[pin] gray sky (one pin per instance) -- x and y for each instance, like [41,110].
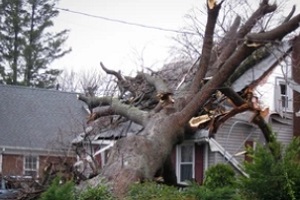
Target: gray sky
[118,45]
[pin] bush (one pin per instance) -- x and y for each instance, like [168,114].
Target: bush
[205,193]
[99,193]
[59,191]
[151,191]
[219,184]
[273,174]
[219,176]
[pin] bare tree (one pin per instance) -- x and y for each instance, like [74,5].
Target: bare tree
[164,105]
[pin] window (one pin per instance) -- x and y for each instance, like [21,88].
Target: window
[31,166]
[185,162]
[283,96]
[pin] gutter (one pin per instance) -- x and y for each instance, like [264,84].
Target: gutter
[12,150]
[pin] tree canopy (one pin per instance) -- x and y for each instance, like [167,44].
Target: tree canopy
[28,45]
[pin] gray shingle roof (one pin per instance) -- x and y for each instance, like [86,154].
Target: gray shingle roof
[38,118]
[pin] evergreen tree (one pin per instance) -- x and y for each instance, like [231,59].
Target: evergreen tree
[34,47]
[12,15]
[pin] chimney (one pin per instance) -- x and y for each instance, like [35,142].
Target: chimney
[296,78]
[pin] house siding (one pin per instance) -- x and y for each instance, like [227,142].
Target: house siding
[283,131]
[237,131]
[233,135]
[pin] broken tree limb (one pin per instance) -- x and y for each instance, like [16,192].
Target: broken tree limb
[258,120]
[212,16]
[200,98]
[136,115]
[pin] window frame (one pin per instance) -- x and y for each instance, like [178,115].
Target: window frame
[31,169]
[179,163]
[288,96]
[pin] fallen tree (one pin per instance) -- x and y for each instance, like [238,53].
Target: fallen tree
[165,109]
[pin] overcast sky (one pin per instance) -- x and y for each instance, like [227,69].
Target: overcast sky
[119,45]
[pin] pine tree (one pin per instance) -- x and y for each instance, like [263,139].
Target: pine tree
[27,56]
[12,23]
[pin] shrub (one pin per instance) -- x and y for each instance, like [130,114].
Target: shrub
[59,191]
[98,193]
[273,174]
[219,184]
[219,176]
[151,191]
[205,193]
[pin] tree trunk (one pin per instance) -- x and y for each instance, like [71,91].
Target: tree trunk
[138,158]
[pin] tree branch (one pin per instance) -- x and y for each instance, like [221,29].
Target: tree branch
[258,119]
[213,12]
[275,34]
[263,9]
[290,14]
[210,87]
[112,72]
[128,111]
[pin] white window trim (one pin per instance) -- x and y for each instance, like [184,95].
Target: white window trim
[289,94]
[0,162]
[37,164]
[178,163]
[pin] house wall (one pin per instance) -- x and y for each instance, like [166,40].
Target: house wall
[283,129]
[13,165]
[233,135]
[236,133]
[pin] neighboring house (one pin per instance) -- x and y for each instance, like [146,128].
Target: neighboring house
[199,151]
[36,126]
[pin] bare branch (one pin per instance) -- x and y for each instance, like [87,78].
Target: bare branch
[290,14]
[213,12]
[275,34]
[112,72]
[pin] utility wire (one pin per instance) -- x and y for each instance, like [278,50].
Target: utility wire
[125,22]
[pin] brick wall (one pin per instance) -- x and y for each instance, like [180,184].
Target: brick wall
[12,165]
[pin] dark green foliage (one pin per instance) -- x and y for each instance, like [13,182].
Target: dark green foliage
[205,193]
[151,191]
[99,193]
[220,183]
[57,191]
[273,174]
[28,47]
[219,176]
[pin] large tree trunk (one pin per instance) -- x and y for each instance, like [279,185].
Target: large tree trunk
[138,158]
